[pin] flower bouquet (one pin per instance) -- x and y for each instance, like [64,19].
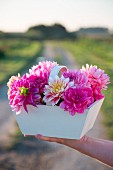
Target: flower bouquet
[64,105]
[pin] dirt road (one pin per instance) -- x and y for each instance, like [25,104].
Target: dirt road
[7,121]
[32,154]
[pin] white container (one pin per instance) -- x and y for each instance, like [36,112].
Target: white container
[55,122]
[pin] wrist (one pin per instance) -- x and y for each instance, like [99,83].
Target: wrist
[82,143]
[74,143]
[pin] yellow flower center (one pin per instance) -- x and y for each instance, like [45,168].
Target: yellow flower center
[57,87]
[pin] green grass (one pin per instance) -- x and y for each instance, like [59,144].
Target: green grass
[19,54]
[100,53]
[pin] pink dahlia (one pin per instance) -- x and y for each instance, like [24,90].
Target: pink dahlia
[54,91]
[77,100]
[38,81]
[44,68]
[22,93]
[10,82]
[96,77]
[79,78]
[97,93]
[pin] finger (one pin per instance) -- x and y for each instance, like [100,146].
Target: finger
[49,139]
[25,135]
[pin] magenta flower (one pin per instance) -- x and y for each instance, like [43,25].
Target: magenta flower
[70,74]
[38,81]
[74,91]
[22,93]
[96,77]
[77,100]
[54,91]
[79,78]
[97,93]
[43,68]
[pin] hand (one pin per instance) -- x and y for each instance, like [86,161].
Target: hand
[51,139]
[73,143]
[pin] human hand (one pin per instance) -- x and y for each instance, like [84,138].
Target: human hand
[73,143]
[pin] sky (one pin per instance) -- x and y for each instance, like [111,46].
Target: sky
[19,15]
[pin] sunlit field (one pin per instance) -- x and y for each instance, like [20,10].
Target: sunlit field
[100,53]
[15,55]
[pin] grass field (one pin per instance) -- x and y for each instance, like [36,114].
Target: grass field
[100,53]
[17,55]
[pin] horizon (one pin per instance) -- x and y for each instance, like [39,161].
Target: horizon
[57,23]
[19,15]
